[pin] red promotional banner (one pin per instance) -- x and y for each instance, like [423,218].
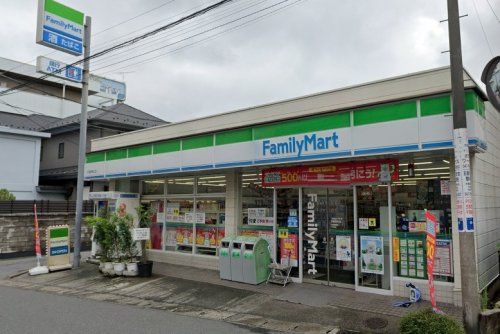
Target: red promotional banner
[431,252]
[289,247]
[38,249]
[343,173]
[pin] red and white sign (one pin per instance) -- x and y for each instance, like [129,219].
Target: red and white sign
[344,173]
[289,247]
[38,249]
[431,253]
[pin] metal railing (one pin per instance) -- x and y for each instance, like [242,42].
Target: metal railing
[10,207]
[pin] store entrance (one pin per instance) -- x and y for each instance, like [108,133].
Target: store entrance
[328,236]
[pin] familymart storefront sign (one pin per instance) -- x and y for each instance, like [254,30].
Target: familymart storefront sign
[390,128]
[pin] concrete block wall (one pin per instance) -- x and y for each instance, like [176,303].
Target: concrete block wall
[486,197]
[17,232]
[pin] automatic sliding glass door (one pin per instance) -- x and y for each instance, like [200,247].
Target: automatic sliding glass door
[328,235]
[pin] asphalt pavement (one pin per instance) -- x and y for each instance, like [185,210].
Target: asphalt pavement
[25,312]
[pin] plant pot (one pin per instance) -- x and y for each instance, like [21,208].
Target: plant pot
[132,267]
[145,269]
[118,267]
[108,267]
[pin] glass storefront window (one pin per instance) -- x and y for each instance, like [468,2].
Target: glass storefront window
[179,224]
[287,215]
[153,187]
[428,189]
[157,222]
[180,186]
[209,224]
[373,237]
[211,184]
[257,209]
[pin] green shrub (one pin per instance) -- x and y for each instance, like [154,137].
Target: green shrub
[426,321]
[6,195]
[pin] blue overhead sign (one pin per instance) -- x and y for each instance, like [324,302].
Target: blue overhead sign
[58,69]
[60,27]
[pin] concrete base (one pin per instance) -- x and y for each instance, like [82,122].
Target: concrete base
[38,270]
[183,259]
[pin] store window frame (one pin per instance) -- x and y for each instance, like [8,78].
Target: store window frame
[194,196]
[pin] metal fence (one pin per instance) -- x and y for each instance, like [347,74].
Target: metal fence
[43,206]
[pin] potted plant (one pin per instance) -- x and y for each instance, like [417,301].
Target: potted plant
[145,267]
[104,236]
[126,245]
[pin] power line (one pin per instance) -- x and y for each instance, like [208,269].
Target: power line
[259,18]
[177,33]
[482,27]
[195,35]
[133,40]
[133,18]
[97,33]
[493,11]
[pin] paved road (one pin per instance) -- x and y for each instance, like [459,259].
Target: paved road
[25,312]
[12,266]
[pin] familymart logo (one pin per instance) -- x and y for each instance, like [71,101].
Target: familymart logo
[298,145]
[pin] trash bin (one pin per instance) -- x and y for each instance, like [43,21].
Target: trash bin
[256,259]
[237,259]
[226,246]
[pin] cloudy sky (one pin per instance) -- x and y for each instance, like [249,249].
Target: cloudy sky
[252,52]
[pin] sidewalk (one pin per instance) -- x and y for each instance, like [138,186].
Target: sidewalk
[301,308]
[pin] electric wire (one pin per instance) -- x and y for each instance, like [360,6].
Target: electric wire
[195,35]
[176,33]
[152,59]
[482,28]
[133,40]
[493,11]
[93,35]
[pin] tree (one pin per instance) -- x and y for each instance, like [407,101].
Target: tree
[6,195]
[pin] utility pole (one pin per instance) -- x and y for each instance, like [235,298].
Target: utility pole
[82,146]
[468,268]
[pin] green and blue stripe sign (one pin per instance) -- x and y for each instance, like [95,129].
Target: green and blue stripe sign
[60,27]
[415,125]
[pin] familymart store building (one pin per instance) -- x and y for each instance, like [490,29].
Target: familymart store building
[337,182]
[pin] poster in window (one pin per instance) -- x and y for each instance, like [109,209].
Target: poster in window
[372,254]
[343,246]
[289,247]
[363,223]
[443,258]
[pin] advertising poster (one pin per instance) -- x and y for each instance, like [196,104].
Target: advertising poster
[372,254]
[172,213]
[206,237]
[443,258]
[363,223]
[160,212]
[290,247]
[170,237]
[343,246]
[395,249]
[156,236]
[184,236]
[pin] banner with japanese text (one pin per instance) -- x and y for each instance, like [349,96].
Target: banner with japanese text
[343,173]
[431,252]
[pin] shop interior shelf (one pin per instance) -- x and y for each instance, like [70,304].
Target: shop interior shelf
[184,248]
[209,225]
[256,227]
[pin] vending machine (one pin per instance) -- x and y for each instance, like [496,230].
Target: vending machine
[114,201]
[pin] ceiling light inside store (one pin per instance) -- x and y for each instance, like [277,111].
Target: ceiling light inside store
[431,174]
[446,161]
[425,178]
[417,163]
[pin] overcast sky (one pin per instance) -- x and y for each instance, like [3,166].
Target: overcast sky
[307,47]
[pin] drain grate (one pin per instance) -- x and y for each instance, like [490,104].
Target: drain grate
[375,323]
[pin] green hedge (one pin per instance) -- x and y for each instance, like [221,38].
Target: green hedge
[426,321]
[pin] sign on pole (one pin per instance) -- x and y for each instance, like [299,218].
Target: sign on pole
[58,256]
[59,27]
[58,69]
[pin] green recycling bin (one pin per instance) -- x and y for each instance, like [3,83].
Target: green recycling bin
[226,246]
[237,259]
[256,259]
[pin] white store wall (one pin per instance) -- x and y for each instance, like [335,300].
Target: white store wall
[486,197]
